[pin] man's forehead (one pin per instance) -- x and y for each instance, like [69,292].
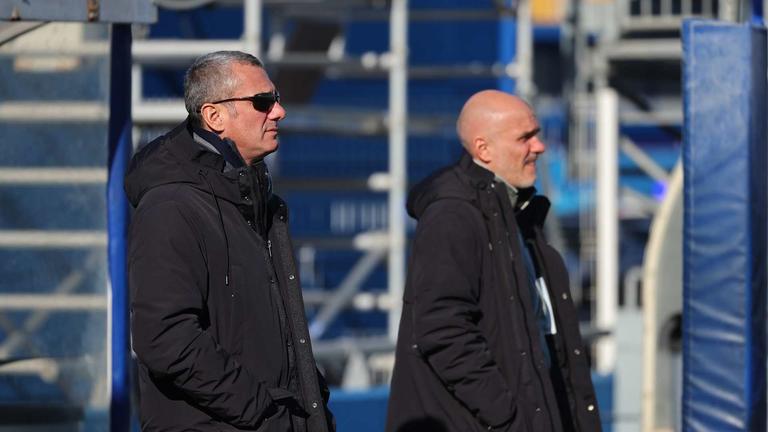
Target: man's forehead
[515,119]
[253,77]
[529,122]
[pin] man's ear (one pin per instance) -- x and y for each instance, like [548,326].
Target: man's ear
[213,117]
[482,150]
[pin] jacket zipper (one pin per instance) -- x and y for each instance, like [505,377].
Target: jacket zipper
[503,226]
[269,248]
[566,380]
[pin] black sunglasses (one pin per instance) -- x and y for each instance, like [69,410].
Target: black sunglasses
[262,102]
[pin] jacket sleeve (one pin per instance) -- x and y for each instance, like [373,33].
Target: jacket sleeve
[446,268]
[167,279]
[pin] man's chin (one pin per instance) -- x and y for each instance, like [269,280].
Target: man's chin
[270,151]
[265,151]
[525,184]
[272,146]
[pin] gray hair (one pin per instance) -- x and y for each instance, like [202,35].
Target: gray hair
[210,78]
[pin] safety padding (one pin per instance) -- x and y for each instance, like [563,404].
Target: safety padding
[724,243]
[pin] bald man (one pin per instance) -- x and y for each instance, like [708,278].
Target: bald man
[489,337]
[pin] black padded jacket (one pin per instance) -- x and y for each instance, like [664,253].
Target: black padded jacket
[217,316]
[469,352]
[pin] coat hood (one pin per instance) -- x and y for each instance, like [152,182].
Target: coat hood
[464,181]
[177,158]
[440,185]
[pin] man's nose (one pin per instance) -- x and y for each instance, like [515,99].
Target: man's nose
[537,145]
[277,112]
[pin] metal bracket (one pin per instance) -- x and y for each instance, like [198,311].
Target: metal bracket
[93,10]
[105,11]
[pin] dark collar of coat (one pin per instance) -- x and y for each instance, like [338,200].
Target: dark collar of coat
[528,215]
[224,146]
[533,215]
[183,146]
[223,184]
[200,161]
[479,177]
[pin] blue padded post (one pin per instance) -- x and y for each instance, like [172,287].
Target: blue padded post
[120,147]
[757,12]
[724,238]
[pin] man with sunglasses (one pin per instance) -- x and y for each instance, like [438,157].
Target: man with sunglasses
[217,316]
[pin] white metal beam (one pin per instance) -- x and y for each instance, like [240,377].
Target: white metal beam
[345,292]
[81,49]
[50,302]
[50,239]
[53,111]
[607,178]
[252,11]
[645,49]
[52,176]
[524,56]
[645,162]
[398,87]
[179,51]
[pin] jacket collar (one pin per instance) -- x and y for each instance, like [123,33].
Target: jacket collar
[249,187]
[213,142]
[183,147]
[531,209]
[198,161]
[480,178]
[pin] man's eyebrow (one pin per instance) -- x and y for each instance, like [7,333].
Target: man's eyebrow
[530,134]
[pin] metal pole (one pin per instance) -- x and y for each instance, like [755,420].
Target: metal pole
[252,27]
[120,148]
[607,224]
[398,86]
[344,293]
[515,51]
[762,13]
[643,161]
[524,56]
[729,10]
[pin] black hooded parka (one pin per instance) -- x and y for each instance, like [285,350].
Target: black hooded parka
[469,352]
[217,315]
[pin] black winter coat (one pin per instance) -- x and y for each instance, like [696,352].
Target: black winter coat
[469,357]
[217,316]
